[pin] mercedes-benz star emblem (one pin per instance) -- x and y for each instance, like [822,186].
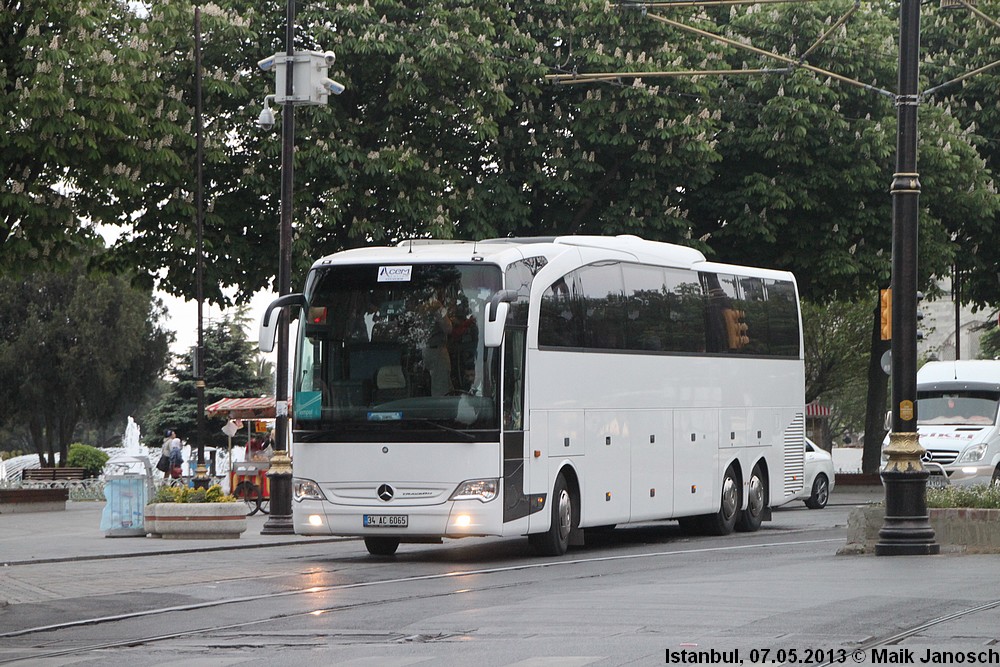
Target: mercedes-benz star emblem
[927,457]
[385,492]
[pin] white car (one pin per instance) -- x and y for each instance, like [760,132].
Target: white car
[819,477]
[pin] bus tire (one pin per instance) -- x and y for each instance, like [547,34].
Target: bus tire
[555,541]
[723,522]
[382,546]
[751,518]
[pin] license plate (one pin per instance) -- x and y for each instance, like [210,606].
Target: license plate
[386,520]
[937,481]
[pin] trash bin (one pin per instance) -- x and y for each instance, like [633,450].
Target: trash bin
[126,495]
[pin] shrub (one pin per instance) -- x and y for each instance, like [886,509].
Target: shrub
[89,458]
[981,496]
[185,494]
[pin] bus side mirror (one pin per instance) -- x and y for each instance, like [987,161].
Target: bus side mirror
[496,317]
[269,323]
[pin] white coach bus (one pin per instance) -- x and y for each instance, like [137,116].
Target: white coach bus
[539,387]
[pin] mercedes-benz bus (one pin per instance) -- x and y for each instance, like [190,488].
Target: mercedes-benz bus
[539,387]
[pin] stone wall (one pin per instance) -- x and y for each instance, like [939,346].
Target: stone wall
[956,530]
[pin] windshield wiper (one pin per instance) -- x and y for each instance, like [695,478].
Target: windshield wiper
[449,429]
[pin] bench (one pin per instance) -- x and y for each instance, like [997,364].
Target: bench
[32,500]
[52,474]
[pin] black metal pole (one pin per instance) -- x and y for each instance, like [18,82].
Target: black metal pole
[201,474]
[280,473]
[906,529]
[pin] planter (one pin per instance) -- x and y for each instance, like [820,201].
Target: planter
[961,529]
[149,520]
[196,521]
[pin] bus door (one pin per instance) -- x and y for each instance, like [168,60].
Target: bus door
[516,503]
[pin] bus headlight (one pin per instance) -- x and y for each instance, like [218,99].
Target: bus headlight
[483,490]
[973,454]
[306,489]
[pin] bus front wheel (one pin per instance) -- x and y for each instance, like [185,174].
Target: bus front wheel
[382,546]
[555,541]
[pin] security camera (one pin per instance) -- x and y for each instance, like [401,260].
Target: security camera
[330,57]
[266,118]
[333,87]
[266,63]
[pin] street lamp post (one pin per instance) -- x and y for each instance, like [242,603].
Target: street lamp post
[279,522]
[201,480]
[906,529]
[303,81]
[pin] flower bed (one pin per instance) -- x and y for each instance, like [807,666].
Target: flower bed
[964,519]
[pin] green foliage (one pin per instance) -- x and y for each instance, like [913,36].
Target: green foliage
[230,372]
[981,496]
[186,494]
[836,338]
[990,344]
[89,458]
[74,344]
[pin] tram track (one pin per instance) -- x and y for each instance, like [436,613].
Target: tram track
[257,599]
[866,646]
[46,635]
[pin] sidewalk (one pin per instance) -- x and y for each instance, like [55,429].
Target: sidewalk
[75,534]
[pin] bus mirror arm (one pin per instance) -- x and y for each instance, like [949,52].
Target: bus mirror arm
[503,296]
[496,317]
[269,323]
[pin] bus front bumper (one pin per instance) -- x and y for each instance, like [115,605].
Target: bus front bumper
[464,518]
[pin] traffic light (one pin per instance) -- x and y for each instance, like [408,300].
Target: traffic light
[736,328]
[885,312]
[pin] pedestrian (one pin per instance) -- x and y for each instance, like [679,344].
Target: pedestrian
[172,450]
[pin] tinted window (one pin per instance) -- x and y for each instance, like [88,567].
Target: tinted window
[635,307]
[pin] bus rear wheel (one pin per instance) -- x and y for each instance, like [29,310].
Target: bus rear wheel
[751,518]
[555,541]
[723,522]
[382,546]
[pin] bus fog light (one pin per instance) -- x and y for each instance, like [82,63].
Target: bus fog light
[483,490]
[315,520]
[306,489]
[463,521]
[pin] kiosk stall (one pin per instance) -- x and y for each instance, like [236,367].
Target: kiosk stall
[248,479]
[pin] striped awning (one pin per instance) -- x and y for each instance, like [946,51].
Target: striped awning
[816,410]
[243,408]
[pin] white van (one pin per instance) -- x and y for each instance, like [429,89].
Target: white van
[957,404]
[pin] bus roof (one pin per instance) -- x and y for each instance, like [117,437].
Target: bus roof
[502,251]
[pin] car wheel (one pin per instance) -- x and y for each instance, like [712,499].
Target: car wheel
[995,482]
[820,493]
[555,541]
[724,521]
[382,546]
[751,518]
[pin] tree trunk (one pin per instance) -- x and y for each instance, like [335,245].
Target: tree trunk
[878,392]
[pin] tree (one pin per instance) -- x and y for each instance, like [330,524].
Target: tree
[74,347]
[231,371]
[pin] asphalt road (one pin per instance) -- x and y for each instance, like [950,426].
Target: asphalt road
[646,595]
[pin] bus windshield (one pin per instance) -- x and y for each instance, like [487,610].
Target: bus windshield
[396,352]
[963,408]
